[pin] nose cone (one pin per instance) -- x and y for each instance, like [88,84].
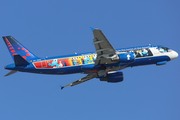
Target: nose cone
[174,55]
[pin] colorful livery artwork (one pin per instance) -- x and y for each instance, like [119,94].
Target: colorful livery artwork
[63,62]
[89,59]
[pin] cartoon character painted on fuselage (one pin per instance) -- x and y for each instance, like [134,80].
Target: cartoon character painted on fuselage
[145,52]
[87,60]
[76,61]
[55,64]
[161,50]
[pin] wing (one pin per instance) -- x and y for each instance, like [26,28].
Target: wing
[106,54]
[84,79]
[105,51]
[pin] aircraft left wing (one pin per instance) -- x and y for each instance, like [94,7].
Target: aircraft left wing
[105,51]
[84,79]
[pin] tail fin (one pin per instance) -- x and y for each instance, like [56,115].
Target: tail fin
[15,48]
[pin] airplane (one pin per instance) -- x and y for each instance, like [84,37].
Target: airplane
[105,63]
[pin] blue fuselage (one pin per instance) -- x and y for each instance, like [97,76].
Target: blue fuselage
[84,62]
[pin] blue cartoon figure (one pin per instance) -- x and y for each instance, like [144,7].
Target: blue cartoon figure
[75,62]
[54,63]
[139,53]
[145,52]
[162,50]
[87,60]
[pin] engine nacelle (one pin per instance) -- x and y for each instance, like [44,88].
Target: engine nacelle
[127,57]
[113,77]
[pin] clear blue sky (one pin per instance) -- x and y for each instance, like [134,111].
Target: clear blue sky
[61,27]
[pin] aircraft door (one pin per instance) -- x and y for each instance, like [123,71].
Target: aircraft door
[44,64]
[40,64]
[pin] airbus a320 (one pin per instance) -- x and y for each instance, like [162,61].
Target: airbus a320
[105,63]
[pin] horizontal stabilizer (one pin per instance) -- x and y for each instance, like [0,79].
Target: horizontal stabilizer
[20,61]
[11,72]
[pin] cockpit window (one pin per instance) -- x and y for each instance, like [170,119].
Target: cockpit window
[163,49]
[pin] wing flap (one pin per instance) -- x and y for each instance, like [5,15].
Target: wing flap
[98,41]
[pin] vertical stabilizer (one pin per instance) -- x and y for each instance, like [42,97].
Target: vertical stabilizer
[16,48]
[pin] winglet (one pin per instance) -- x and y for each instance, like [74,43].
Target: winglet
[92,28]
[61,87]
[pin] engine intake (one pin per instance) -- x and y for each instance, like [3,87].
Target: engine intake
[113,77]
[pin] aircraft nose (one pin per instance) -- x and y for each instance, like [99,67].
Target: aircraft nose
[174,55]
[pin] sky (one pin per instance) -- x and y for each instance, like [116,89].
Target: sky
[56,27]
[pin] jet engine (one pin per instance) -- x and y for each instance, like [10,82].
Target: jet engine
[127,57]
[113,77]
